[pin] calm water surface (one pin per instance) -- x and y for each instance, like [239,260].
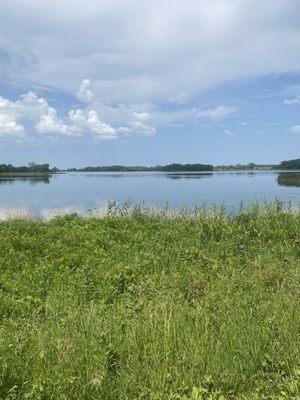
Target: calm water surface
[84,192]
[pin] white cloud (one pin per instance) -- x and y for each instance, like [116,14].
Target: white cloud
[77,117]
[140,124]
[45,120]
[30,106]
[295,129]
[99,129]
[84,93]
[51,124]
[90,121]
[10,128]
[229,133]
[101,121]
[215,114]
[150,114]
[32,109]
[27,107]
[78,122]
[5,103]
[142,129]
[291,102]
[140,51]
[192,115]
[142,117]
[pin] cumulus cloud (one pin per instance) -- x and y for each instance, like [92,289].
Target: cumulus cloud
[51,124]
[30,106]
[27,107]
[77,123]
[84,93]
[32,109]
[99,120]
[99,129]
[90,121]
[10,128]
[141,124]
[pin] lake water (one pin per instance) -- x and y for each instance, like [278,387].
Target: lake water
[86,192]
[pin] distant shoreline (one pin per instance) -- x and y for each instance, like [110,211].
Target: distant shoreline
[62,172]
[44,169]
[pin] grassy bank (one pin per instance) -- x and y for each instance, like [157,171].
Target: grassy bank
[151,307]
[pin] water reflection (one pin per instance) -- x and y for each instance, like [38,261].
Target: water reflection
[46,195]
[289,179]
[190,175]
[31,179]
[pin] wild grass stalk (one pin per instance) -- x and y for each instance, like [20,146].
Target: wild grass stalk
[141,305]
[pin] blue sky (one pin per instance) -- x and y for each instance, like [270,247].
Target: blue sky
[138,82]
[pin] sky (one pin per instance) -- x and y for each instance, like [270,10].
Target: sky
[139,82]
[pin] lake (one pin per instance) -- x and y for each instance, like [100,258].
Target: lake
[85,192]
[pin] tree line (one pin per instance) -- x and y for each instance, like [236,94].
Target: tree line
[290,164]
[30,168]
[163,168]
[175,167]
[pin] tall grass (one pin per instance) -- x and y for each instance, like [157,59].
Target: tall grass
[151,306]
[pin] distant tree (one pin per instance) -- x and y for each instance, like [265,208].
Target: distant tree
[31,167]
[290,164]
[163,168]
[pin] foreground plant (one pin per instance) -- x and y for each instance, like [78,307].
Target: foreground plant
[151,306]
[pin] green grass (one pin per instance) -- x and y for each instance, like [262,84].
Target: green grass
[144,306]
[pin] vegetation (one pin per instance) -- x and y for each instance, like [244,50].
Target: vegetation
[183,167]
[163,168]
[30,168]
[246,167]
[175,167]
[291,164]
[147,306]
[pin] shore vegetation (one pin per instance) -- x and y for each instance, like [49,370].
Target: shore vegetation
[159,306]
